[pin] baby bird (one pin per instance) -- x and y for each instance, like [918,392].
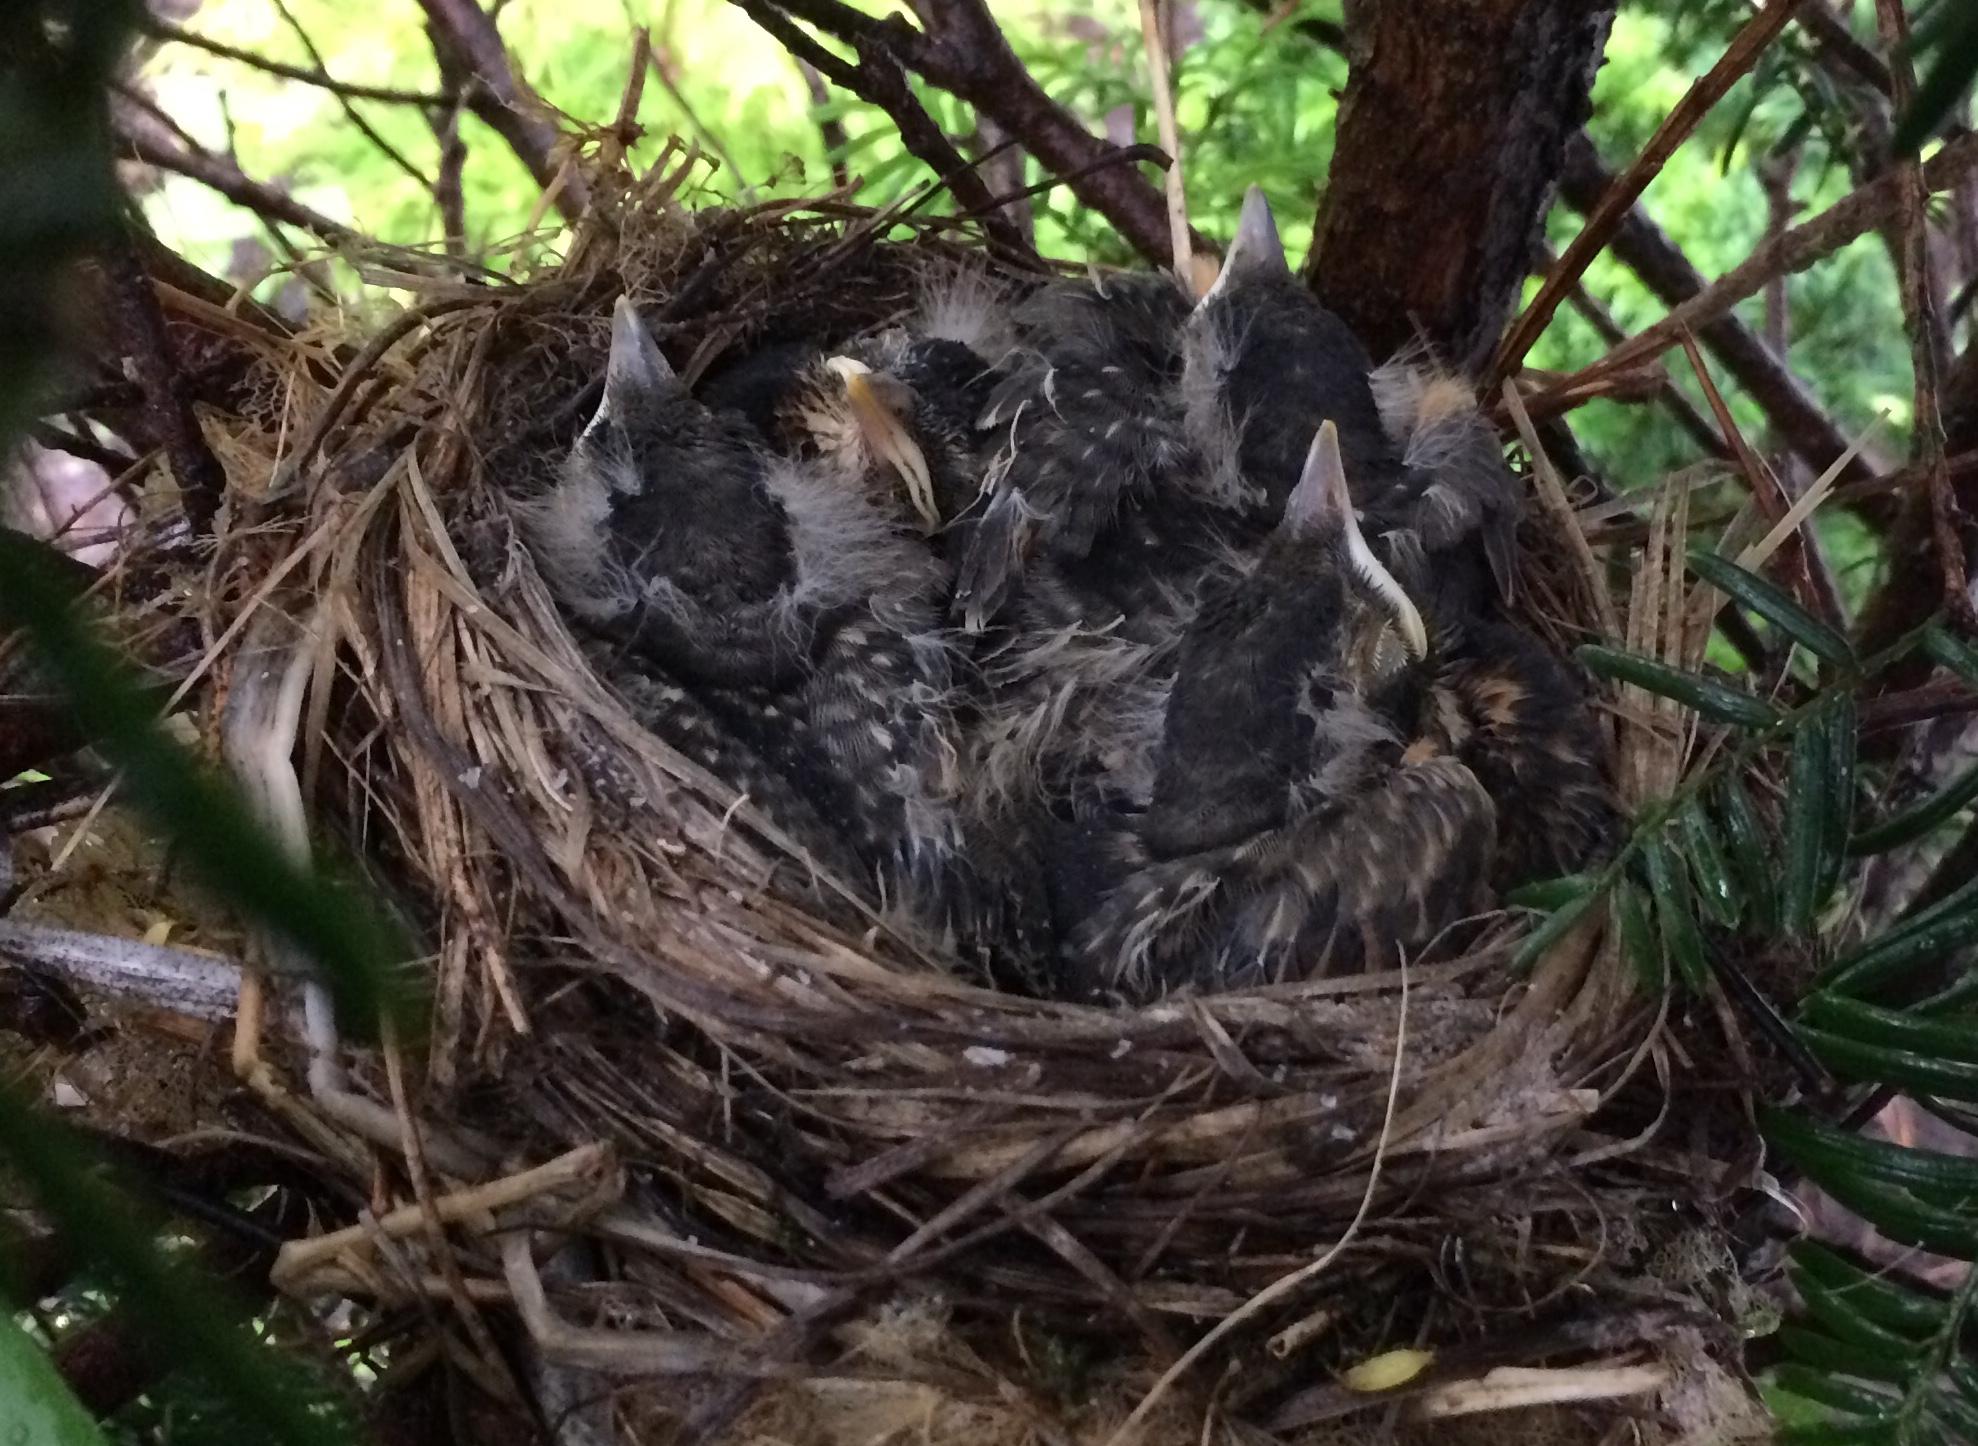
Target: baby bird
[1300,820]
[891,417]
[1087,428]
[789,606]
[1263,358]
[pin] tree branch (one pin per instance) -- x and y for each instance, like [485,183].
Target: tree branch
[965,53]
[1919,316]
[168,416]
[1448,146]
[1855,214]
[142,138]
[1623,191]
[1795,415]
[391,95]
[878,80]
[465,35]
[351,113]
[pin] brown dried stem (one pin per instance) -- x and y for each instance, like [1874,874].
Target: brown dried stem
[1854,215]
[349,108]
[1750,43]
[1919,315]
[390,95]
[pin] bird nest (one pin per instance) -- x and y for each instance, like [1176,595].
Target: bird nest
[799,1143]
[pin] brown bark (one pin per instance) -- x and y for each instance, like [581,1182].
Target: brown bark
[1450,135]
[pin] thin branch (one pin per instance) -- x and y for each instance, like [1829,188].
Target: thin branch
[1919,315]
[449,188]
[1833,41]
[879,80]
[349,108]
[390,95]
[1854,215]
[830,130]
[1680,407]
[466,34]
[965,53]
[1750,43]
[142,139]
[74,444]
[168,416]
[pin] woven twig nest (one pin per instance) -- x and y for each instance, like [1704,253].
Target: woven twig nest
[659,1030]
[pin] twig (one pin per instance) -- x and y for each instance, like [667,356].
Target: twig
[390,95]
[1758,33]
[222,175]
[965,52]
[46,434]
[830,130]
[449,190]
[1919,315]
[168,416]
[1287,1283]
[1811,578]
[349,108]
[878,79]
[1855,214]
[466,34]
[1679,406]
[1153,35]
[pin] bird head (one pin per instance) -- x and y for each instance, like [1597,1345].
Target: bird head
[1379,628]
[661,524]
[860,419]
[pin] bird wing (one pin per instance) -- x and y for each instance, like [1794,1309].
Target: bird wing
[1357,883]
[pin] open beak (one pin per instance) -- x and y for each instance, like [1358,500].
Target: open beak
[888,438]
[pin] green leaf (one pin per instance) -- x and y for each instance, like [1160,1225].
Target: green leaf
[1841,732]
[1829,1154]
[1751,852]
[1919,818]
[1881,1064]
[36,1406]
[1808,815]
[1838,1357]
[1833,1390]
[1550,932]
[1773,604]
[1891,1351]
[1953,47]
[1710,869]
[354,944]
[1680,935]
[1545,895]
[1952,653]
[1920,940]
[1877,1297]
[1707,697]
[189,1323]
[1638,941]
[1954,1038]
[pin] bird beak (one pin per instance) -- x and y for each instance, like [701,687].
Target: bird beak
[636,367]
[885,432]
[1321,502]
[1255,252]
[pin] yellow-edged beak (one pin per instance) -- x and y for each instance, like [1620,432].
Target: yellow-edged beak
[888,438]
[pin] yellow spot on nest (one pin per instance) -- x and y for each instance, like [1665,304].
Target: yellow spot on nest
[1389,1369]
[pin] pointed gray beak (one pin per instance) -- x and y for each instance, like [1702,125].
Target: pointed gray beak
[1255,252]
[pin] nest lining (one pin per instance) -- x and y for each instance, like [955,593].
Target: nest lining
[806,1108]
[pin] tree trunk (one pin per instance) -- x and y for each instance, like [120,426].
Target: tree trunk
[1451,131]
